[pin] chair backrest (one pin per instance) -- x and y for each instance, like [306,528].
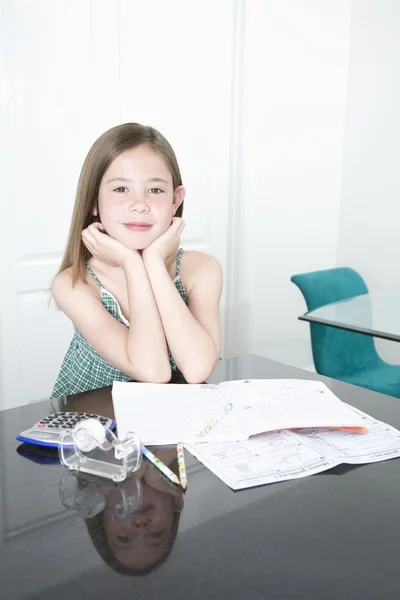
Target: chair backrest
[336,352]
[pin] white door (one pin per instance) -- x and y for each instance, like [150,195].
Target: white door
[69,71]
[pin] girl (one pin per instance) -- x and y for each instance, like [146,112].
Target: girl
[144,539]
[142,308]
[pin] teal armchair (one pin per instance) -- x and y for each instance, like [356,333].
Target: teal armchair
[341,354]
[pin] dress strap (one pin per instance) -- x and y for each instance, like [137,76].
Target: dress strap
[178,262]
[93,274]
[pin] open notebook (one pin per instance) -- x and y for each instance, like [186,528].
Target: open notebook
[167,414]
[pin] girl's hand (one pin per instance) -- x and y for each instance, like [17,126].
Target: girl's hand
[105,248]
[165,247]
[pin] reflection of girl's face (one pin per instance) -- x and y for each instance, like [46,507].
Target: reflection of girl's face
[143,538]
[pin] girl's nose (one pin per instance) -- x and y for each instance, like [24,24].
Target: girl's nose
[138,204]
[141,522]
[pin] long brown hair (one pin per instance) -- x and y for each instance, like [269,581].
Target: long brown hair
[108,146]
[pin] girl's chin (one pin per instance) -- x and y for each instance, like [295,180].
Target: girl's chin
[134,244]
[138,247]
[133,247]
[136,240]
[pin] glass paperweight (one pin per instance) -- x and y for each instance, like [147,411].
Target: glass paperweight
[89,495]
[90,448]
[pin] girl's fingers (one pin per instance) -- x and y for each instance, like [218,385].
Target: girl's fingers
[88,246]
[177,226]
[91,232]
[97,225]
[96,232]
[176,222]
[180,225]
[88,239]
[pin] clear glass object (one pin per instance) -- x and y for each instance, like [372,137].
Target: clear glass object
[89,495]
[89,448]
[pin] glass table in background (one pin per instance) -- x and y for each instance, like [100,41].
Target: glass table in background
[376,314]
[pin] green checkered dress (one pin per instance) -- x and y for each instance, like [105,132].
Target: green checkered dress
[83,369]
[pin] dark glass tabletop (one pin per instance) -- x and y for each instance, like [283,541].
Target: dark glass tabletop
[329,536]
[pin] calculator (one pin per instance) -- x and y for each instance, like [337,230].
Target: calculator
[47,432]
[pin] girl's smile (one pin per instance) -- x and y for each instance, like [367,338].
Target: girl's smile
[138,226]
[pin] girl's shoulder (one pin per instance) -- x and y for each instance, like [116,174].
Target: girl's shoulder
[198,265]
[195,259]
[61,282]
[62,286]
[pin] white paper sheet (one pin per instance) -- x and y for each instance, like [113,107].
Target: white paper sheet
[270,404]
[167,414]
[284,455]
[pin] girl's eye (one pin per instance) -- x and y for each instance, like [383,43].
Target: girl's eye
[157,534]
[155,191]
[125,539]
[120,190]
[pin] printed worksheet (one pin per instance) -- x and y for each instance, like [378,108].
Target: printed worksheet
[267,458]
[283,455]
[381,443]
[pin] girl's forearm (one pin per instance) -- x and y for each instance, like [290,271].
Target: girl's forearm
[146,346]
[191,346]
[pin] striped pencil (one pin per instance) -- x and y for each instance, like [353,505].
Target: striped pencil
[182,466]
[211,424]
[160,465]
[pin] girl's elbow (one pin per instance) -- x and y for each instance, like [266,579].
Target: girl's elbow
[163,376]
[153,375]
[160,375]
[198,374]
[194,379]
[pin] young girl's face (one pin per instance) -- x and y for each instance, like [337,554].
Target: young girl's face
[142,539]
[136,198]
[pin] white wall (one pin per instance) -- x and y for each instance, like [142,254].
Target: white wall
[369,237]
[321,168]
[296,67]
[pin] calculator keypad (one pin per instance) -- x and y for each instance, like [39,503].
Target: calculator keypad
[67,420]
